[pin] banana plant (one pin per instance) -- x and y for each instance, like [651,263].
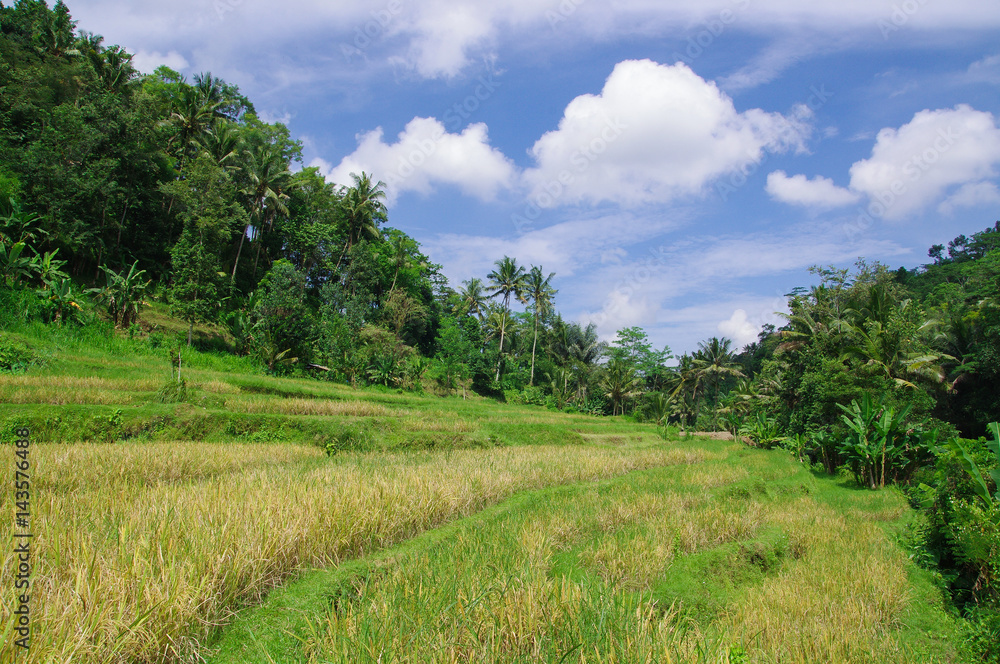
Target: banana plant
[64,301]
[13,265]
[48,269]
[123,294]
[763,431]
[876,442]
[969,464]
[19,225]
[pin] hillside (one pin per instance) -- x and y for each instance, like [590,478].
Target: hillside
[156,521]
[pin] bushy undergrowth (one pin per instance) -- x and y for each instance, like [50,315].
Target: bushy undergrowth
[15,357]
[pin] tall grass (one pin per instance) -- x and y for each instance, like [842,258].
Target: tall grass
[142,551]
[668,565]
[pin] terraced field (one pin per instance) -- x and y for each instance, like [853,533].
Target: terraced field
[253,518]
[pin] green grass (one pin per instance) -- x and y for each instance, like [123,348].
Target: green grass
[681,563]
[442,529]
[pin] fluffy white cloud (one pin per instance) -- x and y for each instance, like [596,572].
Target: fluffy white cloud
[915,165]
[798,190]
[971,195]
[425,155]
[147,62]
[655,132]
[739,329]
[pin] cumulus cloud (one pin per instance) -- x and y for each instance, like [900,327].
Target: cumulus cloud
[915,165]
[425,155]
[654,133]
[798,190]
[739,329]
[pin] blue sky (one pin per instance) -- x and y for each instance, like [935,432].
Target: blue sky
[678,164]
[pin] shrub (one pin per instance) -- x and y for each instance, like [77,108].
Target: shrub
[15,357]
[763,431]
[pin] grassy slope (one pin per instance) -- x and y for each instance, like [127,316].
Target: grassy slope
[149,543]
[735,551]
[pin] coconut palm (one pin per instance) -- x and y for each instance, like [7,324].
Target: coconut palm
[223,144]
[473,297]
[506,280]
[715,361]
[193,117]
[540,292]
[364,210]
[267,176]
[620,383]
[886,348]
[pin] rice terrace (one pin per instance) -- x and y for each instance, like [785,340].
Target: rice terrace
[660,401]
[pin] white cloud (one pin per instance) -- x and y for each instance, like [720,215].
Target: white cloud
[565,248]
[770,63]
[986,70]
[440,38]
[739,329]
[426,155]
[915,165]
[271,118]
[443,37]
[971,195]
[147,62]
[654,133]
[819,192]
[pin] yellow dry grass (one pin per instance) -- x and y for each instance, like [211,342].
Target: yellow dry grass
[297,406]
[142,550]
[838,590]
[64,390]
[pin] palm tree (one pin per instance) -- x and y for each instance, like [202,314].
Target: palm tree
[886,348]
[364,210]
[539,290]
[193,118]
[267,173]
[620,383]
[473,297]
[715,361]
[687,378]
[506,280]
[223,144]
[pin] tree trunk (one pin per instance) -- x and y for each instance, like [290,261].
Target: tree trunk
[239,250]
[503,329]
[533,345]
